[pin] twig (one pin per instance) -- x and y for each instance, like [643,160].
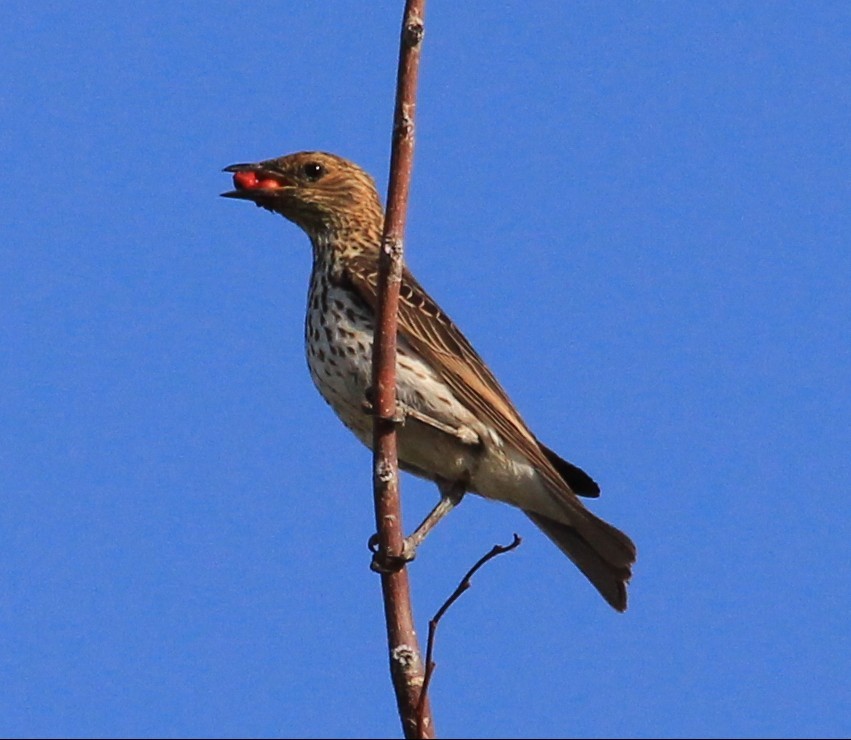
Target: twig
[456,594]
[406,665]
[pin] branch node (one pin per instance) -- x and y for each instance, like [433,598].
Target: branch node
[393,247]
[404,656]
[385,471]
[414,31]
[404,127]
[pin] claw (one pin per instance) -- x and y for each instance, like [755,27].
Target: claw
[384,563]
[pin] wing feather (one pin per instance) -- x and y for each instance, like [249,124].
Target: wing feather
[433,335]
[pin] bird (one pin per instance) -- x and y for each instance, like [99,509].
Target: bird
[459,428]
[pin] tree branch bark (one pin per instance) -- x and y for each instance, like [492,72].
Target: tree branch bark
[406,664]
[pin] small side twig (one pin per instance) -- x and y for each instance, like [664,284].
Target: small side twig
[465,583]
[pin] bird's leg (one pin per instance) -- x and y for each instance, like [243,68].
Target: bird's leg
[451,494]
[404,412]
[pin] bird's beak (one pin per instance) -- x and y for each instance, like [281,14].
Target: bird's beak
[254,181]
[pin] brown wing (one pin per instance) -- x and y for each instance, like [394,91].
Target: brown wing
[435,337]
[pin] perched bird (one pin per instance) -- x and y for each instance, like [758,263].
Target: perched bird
[460,428]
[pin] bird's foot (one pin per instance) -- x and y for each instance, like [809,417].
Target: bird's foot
[451,493]
[385,563]
[368,407]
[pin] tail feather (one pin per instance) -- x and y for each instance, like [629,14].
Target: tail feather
[579,481]
[602,552]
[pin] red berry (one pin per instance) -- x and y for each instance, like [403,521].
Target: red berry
[245,180]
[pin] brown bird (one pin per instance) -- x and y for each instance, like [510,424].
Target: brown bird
[460,428]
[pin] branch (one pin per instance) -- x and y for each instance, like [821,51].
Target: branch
[406,665]
[465,583]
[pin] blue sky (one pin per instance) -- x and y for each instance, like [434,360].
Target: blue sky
[638,212]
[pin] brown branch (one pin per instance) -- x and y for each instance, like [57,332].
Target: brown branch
[465,583]
[406,665]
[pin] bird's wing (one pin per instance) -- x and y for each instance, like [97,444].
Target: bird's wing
[433,335]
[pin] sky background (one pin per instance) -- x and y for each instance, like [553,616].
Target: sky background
[638,213]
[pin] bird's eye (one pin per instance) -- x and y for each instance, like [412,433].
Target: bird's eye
[313,171]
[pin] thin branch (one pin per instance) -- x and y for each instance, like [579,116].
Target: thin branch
[465,583]
[406,665]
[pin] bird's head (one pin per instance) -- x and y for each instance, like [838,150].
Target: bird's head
[320,192]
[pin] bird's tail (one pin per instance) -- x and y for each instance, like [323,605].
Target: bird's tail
[602,552]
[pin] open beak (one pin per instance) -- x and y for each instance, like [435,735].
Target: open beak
[254,181]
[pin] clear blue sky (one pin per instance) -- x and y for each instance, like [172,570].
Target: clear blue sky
[639,214]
